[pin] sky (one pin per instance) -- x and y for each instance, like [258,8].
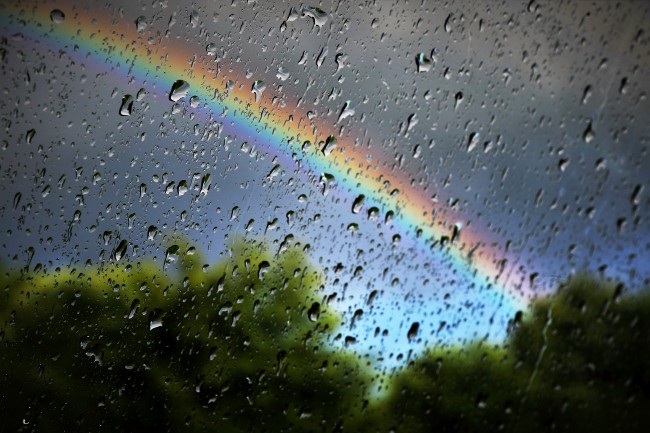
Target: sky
[524,130]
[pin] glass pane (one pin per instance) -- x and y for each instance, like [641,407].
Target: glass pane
[336,216]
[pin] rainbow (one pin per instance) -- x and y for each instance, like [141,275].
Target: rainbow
[115,47]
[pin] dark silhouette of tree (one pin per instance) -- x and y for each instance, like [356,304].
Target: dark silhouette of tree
[238,346]
[575,362]
[245,345]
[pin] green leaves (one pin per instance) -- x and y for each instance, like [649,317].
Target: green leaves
[243,345]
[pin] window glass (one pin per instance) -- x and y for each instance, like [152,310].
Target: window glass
[336,216]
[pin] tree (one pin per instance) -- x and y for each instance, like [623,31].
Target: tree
[238,346]
[575,362]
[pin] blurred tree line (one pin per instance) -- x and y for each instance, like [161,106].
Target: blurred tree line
[245,345]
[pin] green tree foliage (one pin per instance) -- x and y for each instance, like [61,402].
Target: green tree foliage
[238,346]
[245,345]
[576,362]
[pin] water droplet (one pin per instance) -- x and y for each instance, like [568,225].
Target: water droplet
[234,213]
[373,213]
[274,172]
[282,74]
[134,308]
[563,163]
[458,98]
[293,15]
[211,49]
[194,19]
[57,16]
[30,135]
[358,204]
[155,319]
[340,60]
[120,251]
[636,195]
[194,101]
[413,331]
[318,15]
[17,198]
[258,88]
[586,94]
[589,134]
[472,141]
[330,145]
[455,234]
[127,105]
[141,23]
[141,94]
[448,22]
[347,111]
[412,121]
[321,57]
[205,184]
[623,88]
[180,89]
[326,180]
[152,231]
[263,269]
[171,254]
[423,63]
[314,312]
[182,188]
[417,151]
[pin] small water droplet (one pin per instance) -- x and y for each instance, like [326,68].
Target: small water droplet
[417,151]
[258,88]
[120,251]
[448,22]
[282,73]
[423,63]
[472,141]
[458,98]
[321,57]
[211,49]
[141,94]
[206,180]
[358,204]
[589,134]
[347,111]
[141,23]
[275,171]
[413,331]
[57,16]
[134,308]
[373,213]
[563,163]
[17,198]
[586,94]
[318,15]
[314,312]
[412,121]
[330,145]
[293,15]
[127,105]
[182,188]
[152,231]
[263,269]
[29,136]
[180,89]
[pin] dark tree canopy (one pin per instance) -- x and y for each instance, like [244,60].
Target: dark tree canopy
[245,345]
